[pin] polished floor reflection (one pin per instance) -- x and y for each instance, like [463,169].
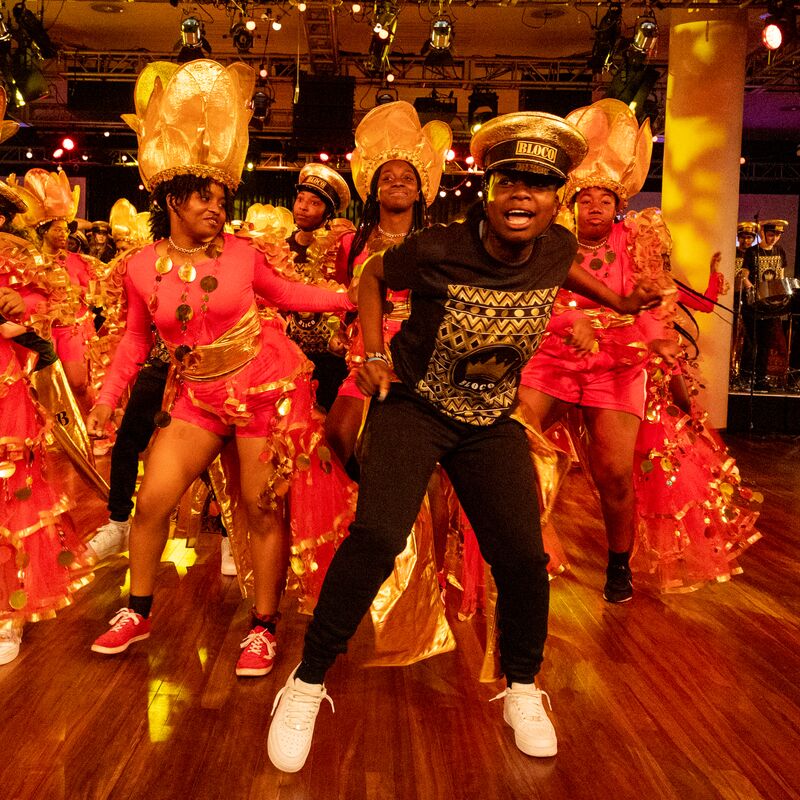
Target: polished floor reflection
[675,697]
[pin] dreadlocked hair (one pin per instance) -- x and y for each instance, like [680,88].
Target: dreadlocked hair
[371,215]
[180,188]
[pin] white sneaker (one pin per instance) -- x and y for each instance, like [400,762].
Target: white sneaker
[110,539]
[534,734]
[227,564]
[10,639]
[295,711]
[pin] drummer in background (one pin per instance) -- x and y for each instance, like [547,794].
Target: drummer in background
[765,261]
[746,233]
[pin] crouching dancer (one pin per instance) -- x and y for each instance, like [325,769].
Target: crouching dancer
[481,294]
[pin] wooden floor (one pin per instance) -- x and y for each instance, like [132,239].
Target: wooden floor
[691,697]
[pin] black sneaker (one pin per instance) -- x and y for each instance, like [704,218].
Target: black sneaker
[619,586]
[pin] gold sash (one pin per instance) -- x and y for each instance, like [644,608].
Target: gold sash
[236,348]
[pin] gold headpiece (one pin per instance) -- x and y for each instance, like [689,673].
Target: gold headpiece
[619,150]
[747,227]
[128,224]
[325,182]
[392,132]
[7,126]
[192,119]
[776,225]
[47,195]
[529,141]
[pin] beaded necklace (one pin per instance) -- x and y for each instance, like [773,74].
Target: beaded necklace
[388,235]
[595,262]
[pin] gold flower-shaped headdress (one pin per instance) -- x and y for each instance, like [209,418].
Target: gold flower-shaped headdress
[47,195]
[192,119]
[619,150]
[392,132]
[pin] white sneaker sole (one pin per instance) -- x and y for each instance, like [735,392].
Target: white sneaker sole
[279,761]
[530,749]
[110,651]
[228,572]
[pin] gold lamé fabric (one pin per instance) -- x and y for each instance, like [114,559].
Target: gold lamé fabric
[54,393]
[407,615]
[192,119]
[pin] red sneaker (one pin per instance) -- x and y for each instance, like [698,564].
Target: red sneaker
[258,653]
[126,627]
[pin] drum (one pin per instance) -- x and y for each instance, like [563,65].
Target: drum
[773,296]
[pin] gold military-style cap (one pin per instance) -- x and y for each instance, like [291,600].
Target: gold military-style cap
[776,225]
[529,141]
[326,183]
[748,228]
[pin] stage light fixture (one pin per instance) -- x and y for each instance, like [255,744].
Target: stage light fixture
[261,103]
[67,143]
[193,43]
[435,106]
[441,34]
[251,25]
[482,107]
[645,35]
[780,24]
[241,37]
[385,95]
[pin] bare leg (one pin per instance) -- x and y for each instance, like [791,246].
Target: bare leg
[178,455]
[343,424]
[269,537]
[546,410]
[612,437]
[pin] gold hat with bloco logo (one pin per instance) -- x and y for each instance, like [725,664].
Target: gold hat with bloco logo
[529,141]
[391,132]
[747,228]
[326,183]
[774,225]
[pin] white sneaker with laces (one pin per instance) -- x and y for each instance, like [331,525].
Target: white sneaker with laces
[523,710]
[10,639]
[294,713]
[110,539]
[227,564]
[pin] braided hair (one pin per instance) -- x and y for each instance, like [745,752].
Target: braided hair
[371,215]
[181,188]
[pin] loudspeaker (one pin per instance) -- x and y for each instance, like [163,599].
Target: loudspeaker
[323,113]
[554,101]
[102,99]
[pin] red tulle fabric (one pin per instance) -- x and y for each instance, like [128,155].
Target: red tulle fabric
[40,552]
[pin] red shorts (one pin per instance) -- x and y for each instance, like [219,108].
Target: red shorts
[598,380]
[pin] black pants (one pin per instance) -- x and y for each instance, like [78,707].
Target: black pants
[133,437]
[492,473]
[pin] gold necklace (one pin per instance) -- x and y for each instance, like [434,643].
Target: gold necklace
[388,235]
[593,247]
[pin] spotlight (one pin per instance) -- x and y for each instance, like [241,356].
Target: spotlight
[348,156]
[385,95]
[250,25]
[301,7]
[193,41]
[436,107]
[390,77]
[58,153]
[106,134]
[28,154]
[645,36]
[443,193]
[381,44]
[482,107]
[263,72]
[780,24]
[276,25]
[67,143]
[441,34]
[242,38]
[261,102]
[323,156]
[31,26]
[355,8]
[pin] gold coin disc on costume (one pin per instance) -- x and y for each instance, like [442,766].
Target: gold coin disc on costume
[184,312]
[65,558]
[596,263]
[209,283]
[163,265]
[187,272]
[7,469]
[18,599]
[161,419]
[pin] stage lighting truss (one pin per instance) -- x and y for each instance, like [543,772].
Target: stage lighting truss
[383,22]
